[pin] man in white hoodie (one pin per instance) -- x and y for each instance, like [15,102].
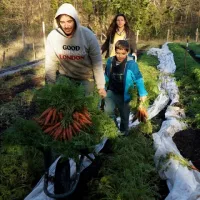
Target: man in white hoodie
[73,51]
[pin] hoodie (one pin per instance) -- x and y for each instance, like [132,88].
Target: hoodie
[78,57]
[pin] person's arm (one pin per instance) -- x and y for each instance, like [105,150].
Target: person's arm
[51,62]
[105,46]
[95,55]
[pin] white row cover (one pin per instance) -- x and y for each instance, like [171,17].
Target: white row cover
[183,184]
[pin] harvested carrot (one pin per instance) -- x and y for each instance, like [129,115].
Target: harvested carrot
[142,114]
[48,116]
[57,131]
[87,115]
[82,116]
[50,122]
[76,128]
[70,132]
[193,167]
[45,113]
[77,124]
[84,122]
[53,120]
[49,129]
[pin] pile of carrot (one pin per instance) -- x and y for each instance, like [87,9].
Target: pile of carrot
[51,123]
[142,114]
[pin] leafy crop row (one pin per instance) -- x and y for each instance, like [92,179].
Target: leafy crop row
[188,79]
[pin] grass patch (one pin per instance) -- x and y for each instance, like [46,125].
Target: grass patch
[15,53]
[17,166]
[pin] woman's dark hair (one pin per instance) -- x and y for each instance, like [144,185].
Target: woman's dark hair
[113,26]
[122,44]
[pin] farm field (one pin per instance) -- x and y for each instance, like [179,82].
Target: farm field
[131,158]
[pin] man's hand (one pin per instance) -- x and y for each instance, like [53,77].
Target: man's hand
[102,93]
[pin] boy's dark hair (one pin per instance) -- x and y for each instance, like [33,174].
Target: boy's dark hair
[122,44]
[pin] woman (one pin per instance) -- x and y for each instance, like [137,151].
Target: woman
[119,30]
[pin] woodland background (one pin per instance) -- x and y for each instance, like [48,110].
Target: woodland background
[25,23]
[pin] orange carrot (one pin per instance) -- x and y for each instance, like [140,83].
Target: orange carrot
[193,167]
[82,122]
[57,133]
[87,114]
[76,128]
[49,129]
[57,130]
[86,122]
[77,124]
[45,112]
[69,133]
[81,115]
[54,116]
[48,116]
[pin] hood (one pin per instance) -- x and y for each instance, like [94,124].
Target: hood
[66,9]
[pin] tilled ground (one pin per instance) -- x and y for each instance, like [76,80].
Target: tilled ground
[188,143]
[8,94]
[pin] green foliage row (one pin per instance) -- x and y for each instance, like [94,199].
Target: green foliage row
[194,47]
[188,79]
[20,168]
[129,173]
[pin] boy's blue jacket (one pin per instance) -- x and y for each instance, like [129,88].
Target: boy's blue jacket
[132,75]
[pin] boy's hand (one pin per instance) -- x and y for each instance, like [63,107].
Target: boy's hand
[143,99]
[102,93]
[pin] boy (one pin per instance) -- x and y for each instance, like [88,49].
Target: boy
[121,73]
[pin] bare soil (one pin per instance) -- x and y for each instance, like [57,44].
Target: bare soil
[8,94]
[188,143]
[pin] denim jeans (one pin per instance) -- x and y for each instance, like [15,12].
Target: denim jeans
[112,101]
[88,86]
